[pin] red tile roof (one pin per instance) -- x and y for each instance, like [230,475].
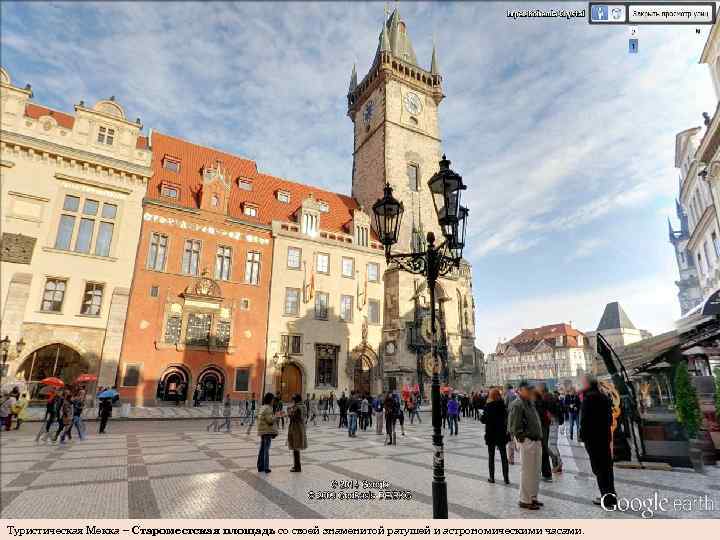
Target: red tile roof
[530,337]
[193,158]
[36,111]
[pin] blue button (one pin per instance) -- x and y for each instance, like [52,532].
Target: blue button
[599,13]
[633,46]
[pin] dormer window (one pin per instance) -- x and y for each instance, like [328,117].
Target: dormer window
[106,135]
[170,164]
[559,341]
[245,184]
[283,196]
[323,206]
[167,190]
[250,210]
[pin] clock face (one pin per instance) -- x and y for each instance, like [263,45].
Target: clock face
[412,103]
[368,112]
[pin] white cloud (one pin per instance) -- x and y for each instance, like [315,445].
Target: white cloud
[650,303]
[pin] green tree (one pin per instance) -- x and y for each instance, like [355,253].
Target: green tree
[686,403]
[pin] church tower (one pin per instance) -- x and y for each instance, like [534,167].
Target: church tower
[394,110]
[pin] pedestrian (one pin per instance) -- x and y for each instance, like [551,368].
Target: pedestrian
[400,415]
[325,408]
[443,409]
[105,413]
[572,403]
[313,410]
[541,405]
[215,418]
[508,398]
[353,411]
[496,433]
[78,403]
[412,410]
[267,431]
[364,413]
[557,419]
[378,410]
[20,410]
[453,408]
[297,438]
[6,405]
[227,414]
[59,408]
[390,419]
[524,425]
[48,419]
[342,407]
[196,395]
[332,402]
[66,415]
[596,434]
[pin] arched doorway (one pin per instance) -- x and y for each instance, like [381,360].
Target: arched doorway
[56,360]
[212,384]
[173,385]
[362,378]
[290,382]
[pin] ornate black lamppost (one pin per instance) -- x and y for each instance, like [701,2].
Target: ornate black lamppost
[446,187]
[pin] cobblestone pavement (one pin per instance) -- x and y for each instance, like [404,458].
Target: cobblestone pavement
[179,470]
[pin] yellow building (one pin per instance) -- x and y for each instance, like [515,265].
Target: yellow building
[72,189]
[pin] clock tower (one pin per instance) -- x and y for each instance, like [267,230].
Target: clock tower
[394,110]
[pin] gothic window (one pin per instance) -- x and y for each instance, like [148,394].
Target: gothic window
[223,262]
[326,365]
[222,333]
[348,267]
[92,299]
[294,255]
[346,308]
[291,344]
[413,177]
[252,268]
[374,311]
[373,272]
[198,329]
[322,263]
[158,252]
[310,224]
[322,300]
[292,301]
[172,329]
[93,229]
[106,135]
[191,257]
[362,235]
[54,295]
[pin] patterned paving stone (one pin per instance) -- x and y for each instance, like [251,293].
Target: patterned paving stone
[152,471]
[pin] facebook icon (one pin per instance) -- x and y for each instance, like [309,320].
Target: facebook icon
[599,13]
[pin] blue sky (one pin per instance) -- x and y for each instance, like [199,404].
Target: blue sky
[565,140]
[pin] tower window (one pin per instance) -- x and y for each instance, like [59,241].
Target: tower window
[413,176]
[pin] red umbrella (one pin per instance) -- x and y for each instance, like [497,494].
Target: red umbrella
[52,381]
[86,377]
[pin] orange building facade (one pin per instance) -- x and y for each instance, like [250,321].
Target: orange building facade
[198,310]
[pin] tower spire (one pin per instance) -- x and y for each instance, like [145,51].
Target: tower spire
[353,79]
[434,67]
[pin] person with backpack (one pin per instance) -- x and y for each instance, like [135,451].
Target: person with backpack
[453,413]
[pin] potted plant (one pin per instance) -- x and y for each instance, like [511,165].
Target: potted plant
[687,410]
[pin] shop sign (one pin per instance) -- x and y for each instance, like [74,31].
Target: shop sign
[207,229]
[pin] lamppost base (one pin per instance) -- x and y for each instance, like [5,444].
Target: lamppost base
[440,500]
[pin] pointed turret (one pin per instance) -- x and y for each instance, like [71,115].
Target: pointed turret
[671,232]
[434,67]
[384,45]
[353,80]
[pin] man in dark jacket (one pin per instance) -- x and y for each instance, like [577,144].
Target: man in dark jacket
[572,405]
[343,406]
[595,427]
[524,425]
